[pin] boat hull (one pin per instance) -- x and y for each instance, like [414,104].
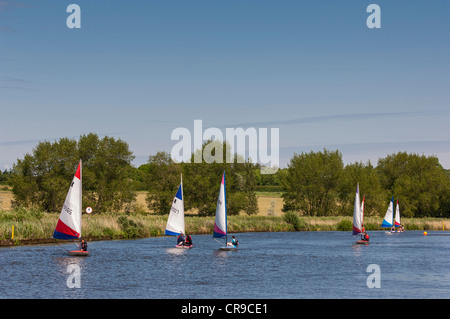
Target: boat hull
[184,246]
[81,253]
[362,242]
[228,248]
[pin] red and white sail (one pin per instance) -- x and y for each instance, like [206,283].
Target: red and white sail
[69,223]
[397,222]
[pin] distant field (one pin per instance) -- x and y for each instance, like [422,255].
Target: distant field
[5,198]
[265,201]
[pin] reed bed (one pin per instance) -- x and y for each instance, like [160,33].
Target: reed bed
[32,224]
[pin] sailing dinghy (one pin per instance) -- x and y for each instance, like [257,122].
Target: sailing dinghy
[69,223]
[220,224]
[175,222]
[388,220]
[358,217]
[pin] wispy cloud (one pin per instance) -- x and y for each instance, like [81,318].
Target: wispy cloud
[15,143]
[6,5]
[15,83]
[338,117]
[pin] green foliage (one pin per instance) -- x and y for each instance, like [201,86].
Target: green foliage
[369,186]
[4,177]
[41,179]
[202,181]
[419,183]
[161,177]
[293,219]
[345,225]
[21,214]
[311,183]
[130,228]
[317,184]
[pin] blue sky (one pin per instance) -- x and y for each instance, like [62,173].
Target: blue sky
[136,70]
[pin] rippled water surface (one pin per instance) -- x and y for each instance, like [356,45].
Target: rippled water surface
[267,265]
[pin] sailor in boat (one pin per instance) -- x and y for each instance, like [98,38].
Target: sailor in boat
[181,239]
[188,241]
[364,236]
[83,245]
[234,242]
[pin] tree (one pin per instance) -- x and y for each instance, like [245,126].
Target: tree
[42,178]
[369,185]
[162,178]
[419,183]
[311,183]
[107,172]
[202,181]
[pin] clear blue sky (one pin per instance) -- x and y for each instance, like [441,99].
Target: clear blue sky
[136,70]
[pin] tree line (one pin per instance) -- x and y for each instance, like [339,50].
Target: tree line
[313,184]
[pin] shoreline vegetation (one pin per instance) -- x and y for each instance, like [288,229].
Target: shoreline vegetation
[36,227]
[130,202]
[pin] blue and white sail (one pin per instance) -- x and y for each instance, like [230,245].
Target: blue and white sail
[175,223]
[388,220]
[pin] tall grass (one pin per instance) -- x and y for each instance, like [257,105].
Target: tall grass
[34,224]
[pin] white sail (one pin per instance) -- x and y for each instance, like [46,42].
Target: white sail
[220,224]
[175,223]
[357,216]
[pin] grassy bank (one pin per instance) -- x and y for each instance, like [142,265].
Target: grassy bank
[32,226]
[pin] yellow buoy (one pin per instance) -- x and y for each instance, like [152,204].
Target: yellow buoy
[425,233]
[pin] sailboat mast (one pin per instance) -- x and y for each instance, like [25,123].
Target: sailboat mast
[81,203]
[393,213]
[225,199]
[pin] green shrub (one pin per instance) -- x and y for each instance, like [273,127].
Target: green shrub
[129,228]
[345,225]
[293,219]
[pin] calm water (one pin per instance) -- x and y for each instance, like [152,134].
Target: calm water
[267,265]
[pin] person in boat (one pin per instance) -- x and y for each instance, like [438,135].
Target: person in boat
[181,239]
[234,242]
[83,245]
[188,241]
[364,236]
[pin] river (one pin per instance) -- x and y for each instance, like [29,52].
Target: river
[287,265]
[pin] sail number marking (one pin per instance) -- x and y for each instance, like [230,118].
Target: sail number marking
[67,209]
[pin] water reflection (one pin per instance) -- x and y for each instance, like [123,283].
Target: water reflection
[357,249]
[176,251]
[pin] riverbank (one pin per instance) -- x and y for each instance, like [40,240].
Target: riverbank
[34,227]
